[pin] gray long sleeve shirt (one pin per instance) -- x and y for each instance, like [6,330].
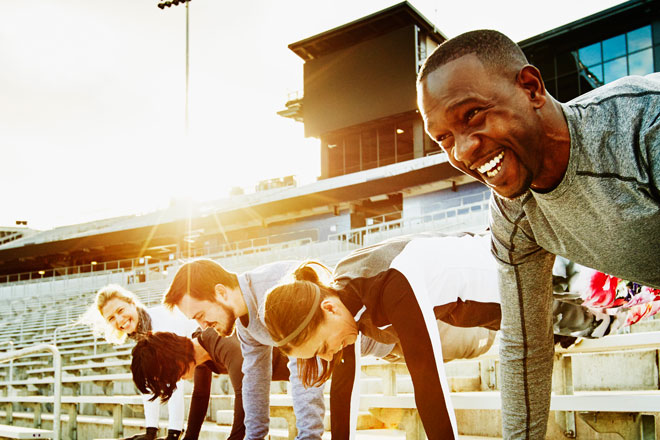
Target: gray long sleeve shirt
[257,347]
[605,214]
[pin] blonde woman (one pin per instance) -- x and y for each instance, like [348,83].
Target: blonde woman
[118,314]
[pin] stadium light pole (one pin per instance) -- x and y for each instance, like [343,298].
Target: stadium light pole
[187,58]
[167,4]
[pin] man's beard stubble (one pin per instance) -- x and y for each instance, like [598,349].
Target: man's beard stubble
[230,325]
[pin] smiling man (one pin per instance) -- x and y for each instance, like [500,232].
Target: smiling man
[203,290]
[578,179]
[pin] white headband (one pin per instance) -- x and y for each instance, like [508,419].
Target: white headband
[303,324]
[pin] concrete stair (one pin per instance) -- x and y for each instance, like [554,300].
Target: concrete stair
[365,420]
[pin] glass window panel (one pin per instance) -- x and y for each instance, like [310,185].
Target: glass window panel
[545,62]
[568,87]
[566,63]
[641,63]
[615,69]
[386,145]
[335,157]
[352,152]
[591,78]
[614,47]
[594,75]
[369,149]
[431,146]
[404,141]
[639,39]
[590,55]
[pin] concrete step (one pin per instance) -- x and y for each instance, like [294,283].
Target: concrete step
[376,434]
[374,385]
[100,427]
[222,385]
[472,437]
[366,420]
[225,417]
[365,434]
[459,384]
[221,403]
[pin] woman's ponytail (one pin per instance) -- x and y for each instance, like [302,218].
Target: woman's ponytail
[308,271]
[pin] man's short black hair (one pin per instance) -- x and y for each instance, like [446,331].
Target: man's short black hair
[159,361]
[494,49]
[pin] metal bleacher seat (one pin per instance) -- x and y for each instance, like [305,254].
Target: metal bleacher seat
[387,404]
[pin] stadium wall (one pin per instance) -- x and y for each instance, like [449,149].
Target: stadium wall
[468,194]
[316,228]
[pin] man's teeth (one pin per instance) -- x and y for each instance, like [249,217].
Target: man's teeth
[494,172]
[491,168]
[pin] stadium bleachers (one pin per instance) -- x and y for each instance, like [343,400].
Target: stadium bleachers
[99,399]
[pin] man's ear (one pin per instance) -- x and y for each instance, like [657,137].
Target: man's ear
[221,292]
[530,81]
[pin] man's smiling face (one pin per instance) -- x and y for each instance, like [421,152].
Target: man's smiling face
[215,314]
[485,122]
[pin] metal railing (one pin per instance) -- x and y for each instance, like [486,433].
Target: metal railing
[294,95]
[11,361]
[57,380]
[62,327]
[147,263]
[473,213]
[132,271]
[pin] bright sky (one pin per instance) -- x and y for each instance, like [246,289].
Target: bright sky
[92,96]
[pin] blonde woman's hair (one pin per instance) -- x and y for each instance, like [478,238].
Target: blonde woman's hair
[93,316]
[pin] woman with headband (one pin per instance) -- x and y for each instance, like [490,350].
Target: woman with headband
[393,292]
[118,314]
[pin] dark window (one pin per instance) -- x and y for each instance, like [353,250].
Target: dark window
[386,145]
[335,148]
[369,149]
[369,146]
[566,63]
[404,141]
[568,87]
[352,152]
[545,62]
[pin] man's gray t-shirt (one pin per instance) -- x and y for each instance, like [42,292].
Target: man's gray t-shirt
[605,214]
